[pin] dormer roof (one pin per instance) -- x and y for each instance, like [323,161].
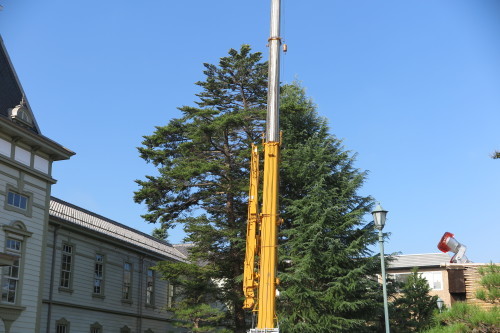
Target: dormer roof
[13,101]
[17,118]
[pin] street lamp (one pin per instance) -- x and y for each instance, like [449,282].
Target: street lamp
[379,215]
[440,303]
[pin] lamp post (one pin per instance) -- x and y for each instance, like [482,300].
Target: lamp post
[440,303]
[379,215]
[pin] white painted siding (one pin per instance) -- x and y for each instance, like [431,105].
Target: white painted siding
[22,155]
[5,147]
[80,304]
[41,164]
[31,261]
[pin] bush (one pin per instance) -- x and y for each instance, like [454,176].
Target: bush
[463,317]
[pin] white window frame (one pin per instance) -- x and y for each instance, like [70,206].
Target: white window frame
[11,276]
[62,326]
[66,277]
[98,277]
[127,282]
[18,232]
[432,277]
[150,286]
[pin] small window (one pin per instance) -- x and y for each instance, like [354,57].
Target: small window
[434,279]
[17,200]
[96,328]
[99,274]
[127,280]
[66,266]
[62,326]
[150,285]
[125,329]
[170,295]
[10,278]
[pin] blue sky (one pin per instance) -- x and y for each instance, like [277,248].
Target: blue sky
[412,87]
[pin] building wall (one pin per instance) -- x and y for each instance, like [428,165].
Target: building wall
[472,283]
[80,306]
[442,292]
[28,226]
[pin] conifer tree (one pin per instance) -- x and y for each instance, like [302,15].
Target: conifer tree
[325,285]
[414,309]
[203,159]
[194,306]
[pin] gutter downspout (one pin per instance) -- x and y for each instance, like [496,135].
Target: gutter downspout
[52,273]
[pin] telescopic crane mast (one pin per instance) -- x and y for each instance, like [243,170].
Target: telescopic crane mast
[262,229]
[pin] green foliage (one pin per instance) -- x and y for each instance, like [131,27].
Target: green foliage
[198,318]
[202,183]
[463,317]
[202,159]
[160,233]
[413,311]
[324,288]
[194,294]
[490,282]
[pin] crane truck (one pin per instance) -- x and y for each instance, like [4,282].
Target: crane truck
[259,280]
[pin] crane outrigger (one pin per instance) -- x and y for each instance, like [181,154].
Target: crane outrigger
[259,284]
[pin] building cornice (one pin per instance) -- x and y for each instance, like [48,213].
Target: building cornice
[37,141]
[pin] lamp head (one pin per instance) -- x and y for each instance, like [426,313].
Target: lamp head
[440,303]
[379,215]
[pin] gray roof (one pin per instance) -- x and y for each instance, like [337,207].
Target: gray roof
[419,260]
[89,220]
[184,248]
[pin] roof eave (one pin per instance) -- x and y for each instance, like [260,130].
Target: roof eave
[56,151]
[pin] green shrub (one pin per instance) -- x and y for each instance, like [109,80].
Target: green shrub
[463,317]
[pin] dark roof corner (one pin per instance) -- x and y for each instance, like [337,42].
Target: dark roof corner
[12,95]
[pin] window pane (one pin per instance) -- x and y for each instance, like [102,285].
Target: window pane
[16,200]
[10,199]
[23,203]
[61,328]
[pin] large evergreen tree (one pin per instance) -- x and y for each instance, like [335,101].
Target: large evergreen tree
[325,284]
[203,161]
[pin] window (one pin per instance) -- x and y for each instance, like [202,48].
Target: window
[170,295]
[62,326]
[99,274]
[125,329]
[66,266]
[127,279]
[10,281]
[435,280]
[150,285]
[96,328]
[17,200]
[400,277]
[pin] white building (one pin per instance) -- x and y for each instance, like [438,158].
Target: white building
[64,269]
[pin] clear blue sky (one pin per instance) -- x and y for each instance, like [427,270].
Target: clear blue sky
[413,87]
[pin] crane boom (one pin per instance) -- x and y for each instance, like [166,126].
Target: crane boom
[249,276]
[265,228]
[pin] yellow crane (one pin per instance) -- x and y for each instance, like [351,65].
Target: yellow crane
[259,283]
